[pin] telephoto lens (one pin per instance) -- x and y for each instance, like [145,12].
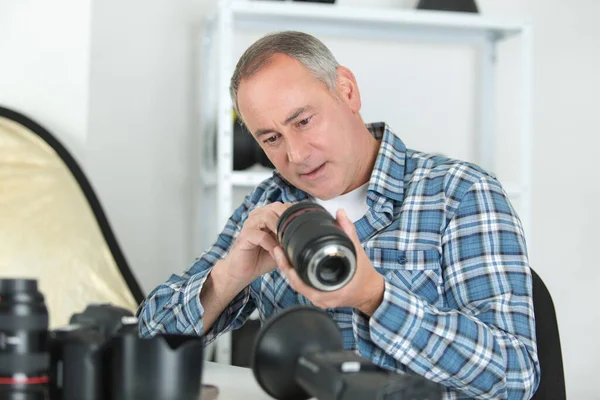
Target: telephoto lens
[24,357]
[318,249]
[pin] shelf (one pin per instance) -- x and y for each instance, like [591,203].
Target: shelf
[250,178]
[372,22]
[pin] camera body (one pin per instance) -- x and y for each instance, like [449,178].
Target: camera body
[98,356]
[299,354]
[343,375]
[315,245]
[78,351]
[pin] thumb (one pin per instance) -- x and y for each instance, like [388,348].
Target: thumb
[346,225]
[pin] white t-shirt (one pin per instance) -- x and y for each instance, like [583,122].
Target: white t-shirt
[354,203]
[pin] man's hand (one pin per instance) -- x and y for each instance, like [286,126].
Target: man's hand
[364,292]
[250,257]
[252,253]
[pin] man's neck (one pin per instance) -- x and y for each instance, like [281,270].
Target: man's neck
[365,168]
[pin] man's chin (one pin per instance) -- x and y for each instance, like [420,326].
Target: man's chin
[320,192]
[321,189]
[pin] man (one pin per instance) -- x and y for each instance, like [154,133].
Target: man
[442,287]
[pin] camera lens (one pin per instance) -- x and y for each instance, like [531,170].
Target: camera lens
[24,355]
[333,270]
[319,250]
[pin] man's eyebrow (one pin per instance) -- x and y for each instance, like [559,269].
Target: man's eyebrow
[289,119]
[295,114]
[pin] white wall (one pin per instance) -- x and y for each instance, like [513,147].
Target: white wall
[565,157]
[44,64]
[141,151]
[122,98]
[565,216]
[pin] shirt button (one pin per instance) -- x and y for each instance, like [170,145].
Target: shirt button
[402,260]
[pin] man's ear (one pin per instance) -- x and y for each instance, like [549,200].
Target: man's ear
[347,88]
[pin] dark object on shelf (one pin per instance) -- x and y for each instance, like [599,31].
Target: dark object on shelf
[448,5]
[316,1]
[299,354]
[244,147]
[246,151]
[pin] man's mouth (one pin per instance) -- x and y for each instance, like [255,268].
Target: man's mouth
[313,173]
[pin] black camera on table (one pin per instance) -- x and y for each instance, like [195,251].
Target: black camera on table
[98,356]
[299,354]
[77,351]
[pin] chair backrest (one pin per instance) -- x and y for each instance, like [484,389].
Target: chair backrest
[52,226]
[552,383]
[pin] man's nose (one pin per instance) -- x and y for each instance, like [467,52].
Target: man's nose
[298,150]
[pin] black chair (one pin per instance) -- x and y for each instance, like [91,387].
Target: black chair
[552,383]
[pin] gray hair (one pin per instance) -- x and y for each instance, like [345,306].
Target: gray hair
[306,49]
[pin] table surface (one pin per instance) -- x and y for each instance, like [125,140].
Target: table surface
[234,383]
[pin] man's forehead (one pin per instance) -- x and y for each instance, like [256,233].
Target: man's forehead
[279,105]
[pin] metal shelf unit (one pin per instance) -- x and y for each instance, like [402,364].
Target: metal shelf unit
[352,22]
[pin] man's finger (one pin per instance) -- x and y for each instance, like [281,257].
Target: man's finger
[281,259]
[346,225]
[271,219]
[279,208]
[262,239]
[268,242]
[289,271]
[294,279]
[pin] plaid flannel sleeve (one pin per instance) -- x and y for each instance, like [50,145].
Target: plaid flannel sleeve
[482,342]
[174,306]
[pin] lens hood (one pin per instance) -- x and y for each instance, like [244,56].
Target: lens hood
[284,338]
[163,367]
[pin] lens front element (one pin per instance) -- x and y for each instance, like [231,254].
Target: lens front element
[331,267]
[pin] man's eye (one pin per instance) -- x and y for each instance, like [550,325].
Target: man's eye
[304,122]
[271,139]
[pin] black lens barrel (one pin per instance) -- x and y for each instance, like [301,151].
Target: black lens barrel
[24,358]
[306,231]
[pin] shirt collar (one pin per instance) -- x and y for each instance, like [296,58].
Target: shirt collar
[387,177]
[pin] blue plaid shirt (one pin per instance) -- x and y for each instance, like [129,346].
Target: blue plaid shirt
[457,307]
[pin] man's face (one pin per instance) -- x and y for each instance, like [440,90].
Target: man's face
[307,132]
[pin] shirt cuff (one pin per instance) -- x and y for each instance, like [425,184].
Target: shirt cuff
[185,303]
[229,318]
[396,322]
[362,334]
